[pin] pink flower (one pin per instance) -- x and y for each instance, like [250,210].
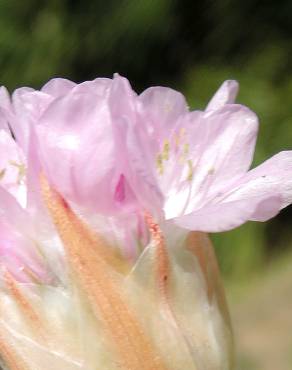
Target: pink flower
[112,152]
[91,174]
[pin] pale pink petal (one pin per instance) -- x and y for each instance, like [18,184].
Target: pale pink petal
[5,108]
[57,87]
[213,149]
[271,177]
[258,196]
[226,94]
[35,204]
[133,144]
[160,109]
[28,105]
[3,123]
[99,86]
[223,216]
[5,102]
[142,171]
[12,212]
[123,110]
[227,142]
[78,129]
[122,100]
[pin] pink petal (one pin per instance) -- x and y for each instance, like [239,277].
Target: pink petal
[35,204]
[99,86]
[78,129]
[230,138]
[258,196]
[57,87]
[220,150]
[28,105]
[226,94]
[122,100]
[217,217]
[141,171]
[157,111]
[12,213]
[160,109]
[4,98]
[3,123]
[5,108]
[271,177]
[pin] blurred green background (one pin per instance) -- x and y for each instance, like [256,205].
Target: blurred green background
[191,46]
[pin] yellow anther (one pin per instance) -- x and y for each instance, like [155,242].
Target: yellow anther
[191,170]
[165,151]
[186,148]
[176,140]
[159,163]
[2,173]
[179,137]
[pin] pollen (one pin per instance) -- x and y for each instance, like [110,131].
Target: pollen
[186,149]
[191,170]
[179,137]
[159,164]
[2,173]
[165,151]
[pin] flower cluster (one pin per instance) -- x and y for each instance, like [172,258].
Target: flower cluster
[105,196]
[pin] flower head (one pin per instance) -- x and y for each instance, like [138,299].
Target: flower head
[99,189]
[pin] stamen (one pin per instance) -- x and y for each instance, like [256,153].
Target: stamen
[186,148]
[179,137]
[2,173]
[165,151]
[21,170]
[159,164]
[191,171]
